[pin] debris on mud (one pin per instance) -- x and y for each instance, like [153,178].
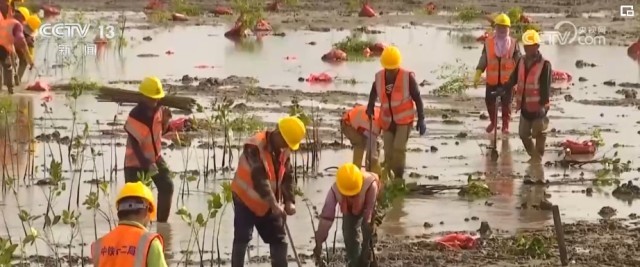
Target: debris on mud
[583,64]
[609,83]
[607,212]
[628,93]
[475,189]
[626,190]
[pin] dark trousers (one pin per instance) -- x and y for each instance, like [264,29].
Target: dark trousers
[22,68]
[6,60]
[163,182]
[505,103]
[358,250]
[270,228]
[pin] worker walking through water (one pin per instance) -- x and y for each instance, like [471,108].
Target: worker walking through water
[30,23]
[399,97]
[363,134]
[532,77]
[499,57]
[146,124]
[12,44]
[355,191]
[262,183]
[130,243]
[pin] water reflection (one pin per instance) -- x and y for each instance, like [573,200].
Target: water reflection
[392,224]
[16,135]
[534,211]
[499,177]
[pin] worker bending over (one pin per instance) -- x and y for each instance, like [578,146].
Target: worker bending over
[356,191]
[363,134]
[146,124]
[532,77]
[499,57]
[22,14]
[399,97]
[263,179]
[130,243]
[12,41]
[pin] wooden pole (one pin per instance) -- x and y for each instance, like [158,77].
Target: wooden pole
[557,223]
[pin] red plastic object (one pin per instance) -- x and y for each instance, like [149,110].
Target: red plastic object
[580,148]
[634,51]
[430,8]
[335,55]
[262,26]
[177,124]
[50,11]
[367,11]
[561,76]
[179,17]
[483,37]
[377,48]
[222,11]
[457,241]
[39,86]
[320,78]
[154,5]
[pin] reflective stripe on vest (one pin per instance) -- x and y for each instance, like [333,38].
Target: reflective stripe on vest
[400,108]
[498,72]
[242,184]
[101,249]
[355,205]
[358,119]
[149,140]
[529,85]
[6,34]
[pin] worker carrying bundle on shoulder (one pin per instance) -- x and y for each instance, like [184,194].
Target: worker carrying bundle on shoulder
[356,192]
[499,57]
[532,78]
[262,184]
[130,243]
[363,134]
[12,44]
[399,97]
[147,123]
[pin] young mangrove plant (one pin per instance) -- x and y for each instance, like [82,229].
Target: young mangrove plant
[223,118]
[310,159]
[456,78]
[355,45]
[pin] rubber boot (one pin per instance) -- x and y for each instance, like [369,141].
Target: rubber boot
[491,109]
[506,118]
[237,254]
[164,206]
[279,255]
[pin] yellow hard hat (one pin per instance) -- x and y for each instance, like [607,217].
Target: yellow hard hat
[531,37]
[152,88]
[503,20]
[25,12]
[34,22]
[349,179]
[292,130]
[138,189]
[391,58]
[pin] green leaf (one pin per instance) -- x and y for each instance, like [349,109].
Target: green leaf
[200,220]
[217,201]
[192,178]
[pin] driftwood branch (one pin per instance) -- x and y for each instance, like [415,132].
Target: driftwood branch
[430,189]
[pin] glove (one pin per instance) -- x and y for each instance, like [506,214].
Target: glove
[476,78]
[421,127]
[153,170]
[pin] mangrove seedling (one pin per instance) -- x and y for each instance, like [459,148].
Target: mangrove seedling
[475,189]
[467,14]
[354,46]
[456,78]
[223,118]
[250,12]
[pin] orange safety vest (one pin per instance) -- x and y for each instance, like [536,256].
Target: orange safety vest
[355,205]
[400,108]
[126,245]
[358,119]
[6,34]
[242,184]
[149,140]
[529,85]
[499,68]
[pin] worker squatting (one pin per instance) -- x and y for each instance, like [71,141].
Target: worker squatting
[263,185]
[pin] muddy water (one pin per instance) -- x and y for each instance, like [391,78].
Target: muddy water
[425,49]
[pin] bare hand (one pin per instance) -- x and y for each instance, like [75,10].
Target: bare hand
[290,209]
[277,210]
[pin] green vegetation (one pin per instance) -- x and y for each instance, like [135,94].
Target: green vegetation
[354,45]
[467,14]
[456,78]
[517,26]
[475,189]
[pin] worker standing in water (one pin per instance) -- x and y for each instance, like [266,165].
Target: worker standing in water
[262,184]
[499,57]
[363,134]
[532,78]
[146,124]
[12,41]
[130,243]
[355,191]
[22,14]
[399,97]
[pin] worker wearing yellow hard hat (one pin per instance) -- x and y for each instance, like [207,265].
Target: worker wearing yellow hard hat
[147,123]
[12,44]
[263,189]
[355,191]
[130,243]
[498,59]
[23,15]
[400,98]
[532,100]
[30,33]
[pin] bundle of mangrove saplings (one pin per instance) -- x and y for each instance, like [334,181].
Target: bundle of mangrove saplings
[110,94]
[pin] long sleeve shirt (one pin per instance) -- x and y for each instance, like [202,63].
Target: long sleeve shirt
[483,61]
[413,90]
[155,254]
[145,115]
[260,178]
[328,214]
[544,81]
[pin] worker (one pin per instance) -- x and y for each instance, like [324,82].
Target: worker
[363,135]
[262,183]
[499,56]
[356,191]
[12,44]
[33,24]
[399,97]
[130,243]
[532,78]
[146,124]
[21,14]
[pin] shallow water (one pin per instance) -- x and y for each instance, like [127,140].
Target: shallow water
[424,50]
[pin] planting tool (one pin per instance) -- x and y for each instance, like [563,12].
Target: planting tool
[374,261]
[293,246]
[494,146]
